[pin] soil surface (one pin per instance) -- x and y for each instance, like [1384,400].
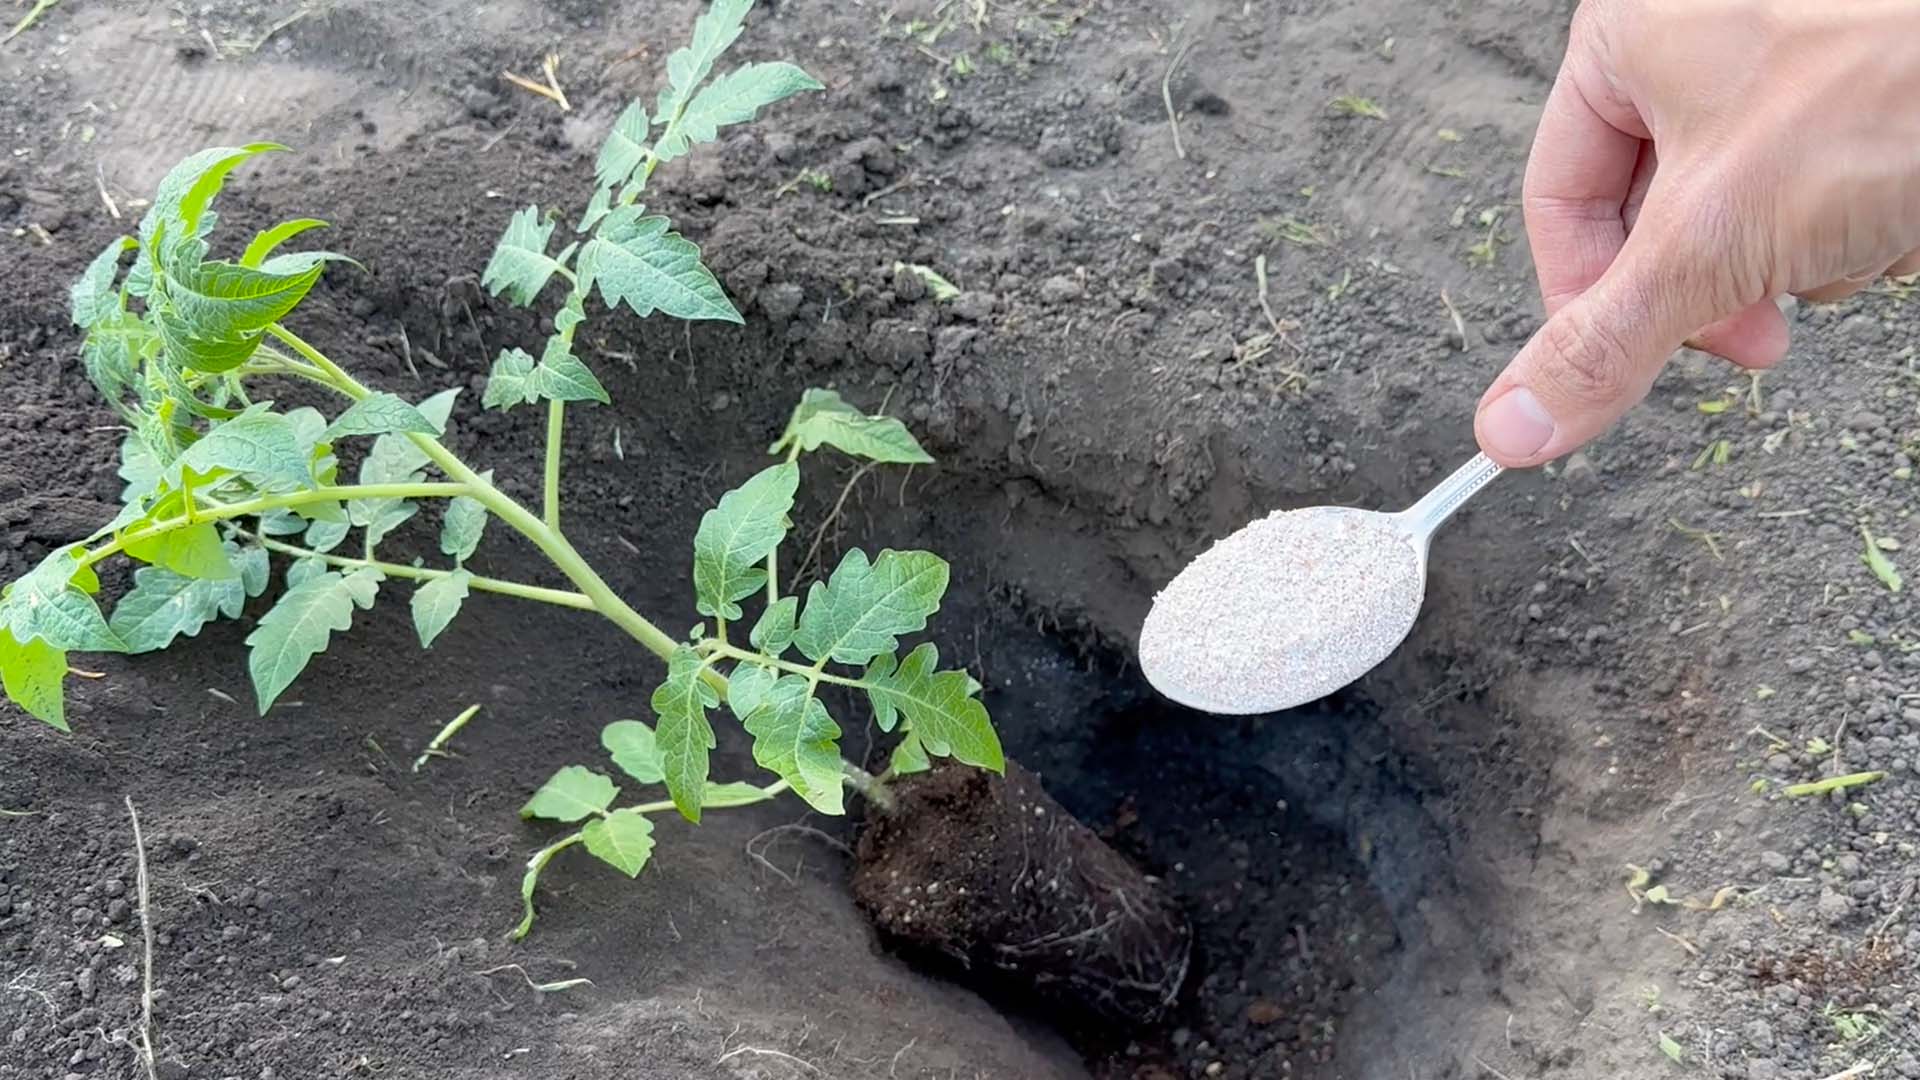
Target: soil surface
[1625,658]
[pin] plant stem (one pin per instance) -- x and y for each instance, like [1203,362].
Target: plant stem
[557,597]
[773,577]
[264,504]
[452,728]
[556,422]
[870,787]
[550,541]
[718,647]
[1832,784]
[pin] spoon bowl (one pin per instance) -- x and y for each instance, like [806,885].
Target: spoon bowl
[1297,604]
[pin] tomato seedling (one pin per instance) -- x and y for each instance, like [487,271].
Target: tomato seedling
[218,482]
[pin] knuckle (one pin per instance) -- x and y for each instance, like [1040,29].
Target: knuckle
[1586,359]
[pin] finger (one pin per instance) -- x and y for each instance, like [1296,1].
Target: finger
[1598,355]
[1756,338]
[1579,175]
[1908,264]
[1839,290]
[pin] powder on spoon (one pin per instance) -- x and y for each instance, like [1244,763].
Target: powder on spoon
[1283,612]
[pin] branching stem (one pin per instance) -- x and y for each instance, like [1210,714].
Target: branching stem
[268,503]
[557,597]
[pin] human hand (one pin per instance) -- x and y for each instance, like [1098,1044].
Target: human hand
[1696,160]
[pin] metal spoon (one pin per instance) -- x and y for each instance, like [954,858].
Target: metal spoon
[1242,630]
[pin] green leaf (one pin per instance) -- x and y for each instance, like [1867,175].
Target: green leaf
[822,417]
[511,382]
[635,750]
[938,286]
[573,793]
[394,459]
[324,536]
[202,352]
[909,757]
[643,265]
[113,352]
[520,266]
[194,551]
[597,208]
[1672,1048]
[436,603]
[378,414]
[1881,566]
[863,609]
[180,202]
[33,675]
[733,98]
[223,300]
[737,535]
[300,625]
[684,735]
[688,65]
[254,568]
[774,632]
[795,738]
[51,603]
[725,796]
[562,377]
[163,605]
[301,571]
[262,446]
[622,840]
[93,295]
[380,517]
[263,244]
[465,522]
[947,719]
[747,687]
[140,470]
[624,150]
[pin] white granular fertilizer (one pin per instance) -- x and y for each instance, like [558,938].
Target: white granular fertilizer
[1283,612]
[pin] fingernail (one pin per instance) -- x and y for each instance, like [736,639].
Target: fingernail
[1515,425]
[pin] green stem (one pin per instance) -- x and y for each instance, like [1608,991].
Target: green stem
[265,504]
[870,787]
[556,422]
[1832,784]
[773,577]
[717,647]
[550,541]
[557,597]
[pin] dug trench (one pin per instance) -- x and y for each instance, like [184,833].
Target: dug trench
[1327,861]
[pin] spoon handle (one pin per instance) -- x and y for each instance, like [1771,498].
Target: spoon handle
[1426,516]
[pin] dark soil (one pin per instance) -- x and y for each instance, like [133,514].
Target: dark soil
[991,873]
[1420,877]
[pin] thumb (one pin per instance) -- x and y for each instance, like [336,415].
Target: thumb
[1598,355]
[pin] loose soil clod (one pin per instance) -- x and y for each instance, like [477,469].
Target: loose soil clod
[991,872]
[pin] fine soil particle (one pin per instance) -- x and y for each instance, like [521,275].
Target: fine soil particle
[992,873]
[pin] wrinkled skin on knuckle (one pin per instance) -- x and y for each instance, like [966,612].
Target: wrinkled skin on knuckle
[1587,361]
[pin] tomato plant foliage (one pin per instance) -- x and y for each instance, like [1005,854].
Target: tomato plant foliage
[223,487]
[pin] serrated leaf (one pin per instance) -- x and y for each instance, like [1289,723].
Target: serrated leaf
[622,840]
[562,377]
[163,605]
[947,719]
[324,536]
[194,551]
[201,352]
[795,738]
[1882,567]
[713,31]
[747,687]
[909,757]
[737,535]
[464,524]
[262,446]
[436,603]
[225,300]
[180,202]
[264,244]
[140,470]
[635,749]
[733,98]
[93,296]
[301,571]
[51,603]
[510,383]
[861,611]
[520,266]
[597,208]
[624,150]
[33,676]
[378,414]
[643,265]
[300,626]
[574,793]
[823,418]
[774,632]
[113,351]
[724,796]
[683,734]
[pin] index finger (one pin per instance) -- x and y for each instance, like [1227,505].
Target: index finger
[1579,176]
